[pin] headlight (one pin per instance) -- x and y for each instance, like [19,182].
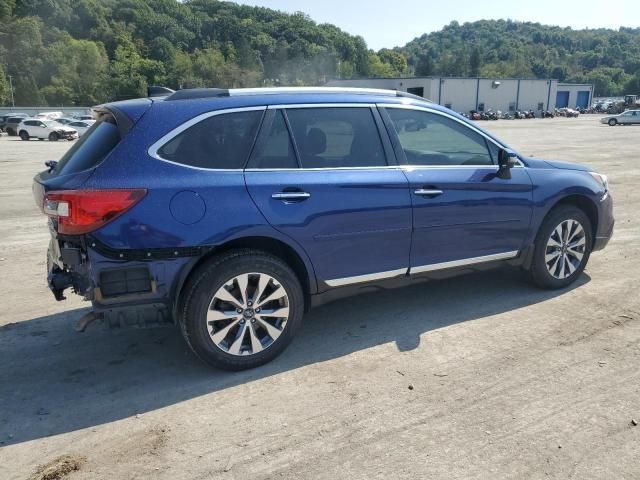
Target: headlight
[601,179]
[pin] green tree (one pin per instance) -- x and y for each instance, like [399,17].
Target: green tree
[5,91]
[377,68]
[396,60]
[425,66]
[6,9]
[130,73]
[475,62]
[76,70]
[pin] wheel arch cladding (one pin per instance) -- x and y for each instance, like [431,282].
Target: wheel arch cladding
[585,204]
[269,245]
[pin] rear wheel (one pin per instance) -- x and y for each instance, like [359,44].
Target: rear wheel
[54,137]
[562,248]
[24,135]
[11,132]
[241,309]
[612,122]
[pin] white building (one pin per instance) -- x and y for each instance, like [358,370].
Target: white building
[465,94]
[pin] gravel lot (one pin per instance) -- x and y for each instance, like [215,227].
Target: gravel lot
[480,376]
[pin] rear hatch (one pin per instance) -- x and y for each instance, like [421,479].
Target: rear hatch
[72,171]
[75,211]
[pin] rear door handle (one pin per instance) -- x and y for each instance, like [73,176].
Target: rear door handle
[291,196]
[428,192]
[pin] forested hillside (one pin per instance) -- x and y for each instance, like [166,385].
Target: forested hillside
[610,59]
[87,51]
[66,52]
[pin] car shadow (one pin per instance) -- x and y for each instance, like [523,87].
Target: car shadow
[54,380]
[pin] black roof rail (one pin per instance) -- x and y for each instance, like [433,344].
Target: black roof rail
[193,93]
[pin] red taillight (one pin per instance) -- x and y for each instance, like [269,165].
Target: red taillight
[83,211]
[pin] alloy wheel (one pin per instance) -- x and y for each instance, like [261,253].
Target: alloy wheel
[248,314]
[565,249]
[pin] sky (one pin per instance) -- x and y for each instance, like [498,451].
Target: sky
[385,23]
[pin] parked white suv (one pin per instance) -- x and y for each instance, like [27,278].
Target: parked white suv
[41,129]
[81,126]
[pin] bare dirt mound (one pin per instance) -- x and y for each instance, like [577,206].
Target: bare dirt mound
[58,468]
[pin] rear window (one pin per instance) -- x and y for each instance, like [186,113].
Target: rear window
[90,149]
[219,142]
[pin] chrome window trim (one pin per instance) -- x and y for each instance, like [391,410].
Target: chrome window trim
[451,117]
[153,149]
[463,262]
[387,167]
[322,169]
[339,282]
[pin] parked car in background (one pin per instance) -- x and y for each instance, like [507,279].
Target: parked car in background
[84,117]
[66,120]
[81,126]
[630,117]
[49,115]
[45,129]
[245,208]
[567,112]
[11,125]
[6,116]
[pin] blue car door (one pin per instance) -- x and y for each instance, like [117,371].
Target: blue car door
[323,176]
[463,212]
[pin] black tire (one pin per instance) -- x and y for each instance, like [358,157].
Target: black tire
[540,274]
[612,122]
[24,135]
[201,289]
[11,132]
[54,137]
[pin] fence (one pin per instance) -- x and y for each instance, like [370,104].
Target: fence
[34,110]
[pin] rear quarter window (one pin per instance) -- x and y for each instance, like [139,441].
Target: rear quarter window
[222,141]
[90,149]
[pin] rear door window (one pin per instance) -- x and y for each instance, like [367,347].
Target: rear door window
[336,137]
[90,149]
[221,141]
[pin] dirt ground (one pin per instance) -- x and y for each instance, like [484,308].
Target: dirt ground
[507,381]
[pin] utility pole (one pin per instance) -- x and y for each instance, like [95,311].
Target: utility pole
[13,102]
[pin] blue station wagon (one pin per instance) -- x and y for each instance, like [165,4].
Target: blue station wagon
[232,212]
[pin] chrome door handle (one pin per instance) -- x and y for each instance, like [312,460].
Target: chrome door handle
[428,192]
[291,195]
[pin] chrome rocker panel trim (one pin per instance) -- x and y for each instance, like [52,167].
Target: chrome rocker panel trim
[339,282]
[464,262]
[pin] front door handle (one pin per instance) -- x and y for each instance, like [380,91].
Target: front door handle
[427,192]
[291,196]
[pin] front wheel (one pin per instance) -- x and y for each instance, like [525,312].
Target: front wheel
[241,310]
[562,248]
[24,135]
[53,137]
[612,122]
